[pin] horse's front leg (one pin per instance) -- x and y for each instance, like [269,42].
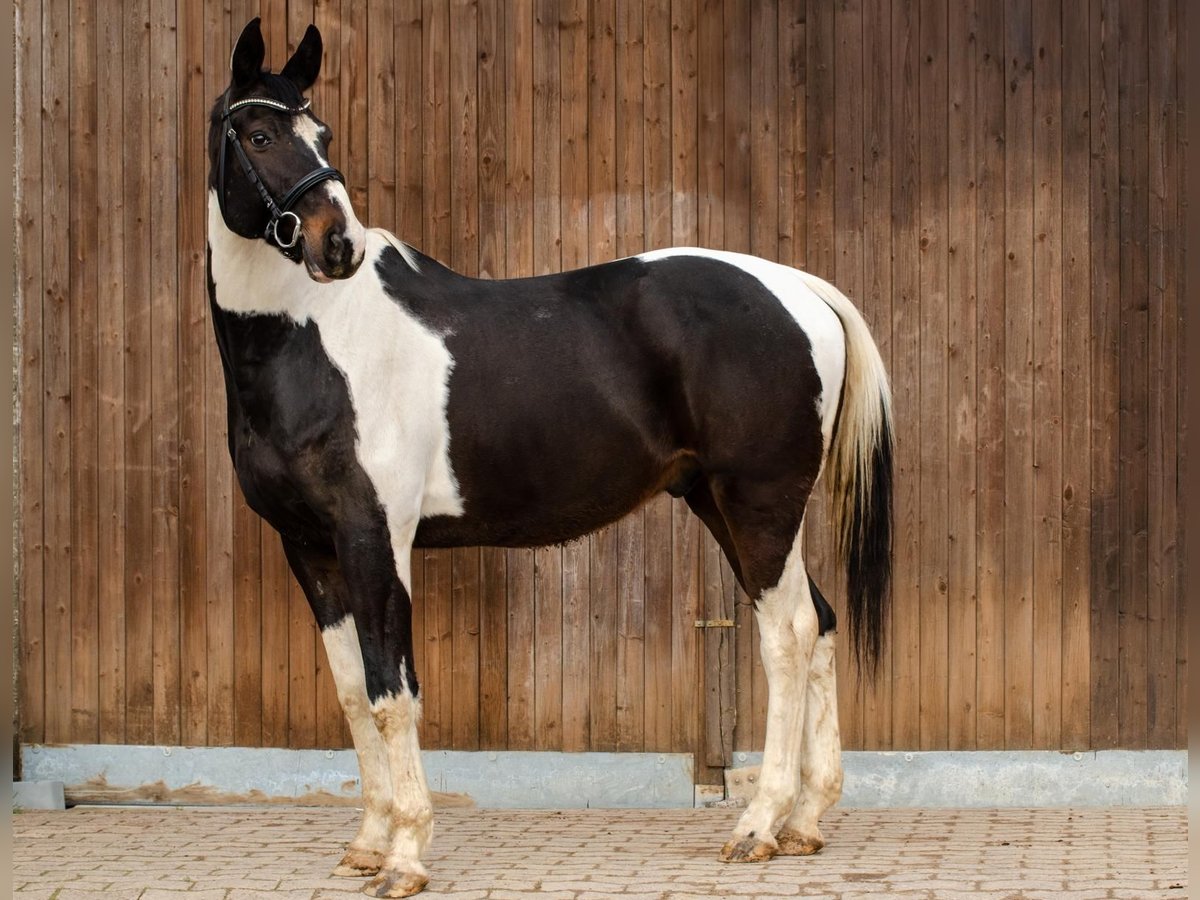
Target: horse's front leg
[321,578]
[376,564]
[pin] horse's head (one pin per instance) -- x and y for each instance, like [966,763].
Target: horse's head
[268,165]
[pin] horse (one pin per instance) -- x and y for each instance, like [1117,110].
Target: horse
[378,401]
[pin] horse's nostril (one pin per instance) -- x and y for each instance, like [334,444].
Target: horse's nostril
[336,248]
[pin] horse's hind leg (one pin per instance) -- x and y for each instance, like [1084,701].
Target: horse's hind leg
[321,578]
[821,766]
[767,539]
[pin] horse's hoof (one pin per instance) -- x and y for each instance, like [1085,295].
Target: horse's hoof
[391,883]
[793,843]
[359,864]
[748,849]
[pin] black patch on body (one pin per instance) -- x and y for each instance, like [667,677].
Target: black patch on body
[575,397]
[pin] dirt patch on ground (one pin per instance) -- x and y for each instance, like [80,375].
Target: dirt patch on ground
[98,790]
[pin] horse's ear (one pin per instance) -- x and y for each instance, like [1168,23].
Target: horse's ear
[248,54]
[305,64]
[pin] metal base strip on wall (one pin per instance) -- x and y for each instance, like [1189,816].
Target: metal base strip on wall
[101,773]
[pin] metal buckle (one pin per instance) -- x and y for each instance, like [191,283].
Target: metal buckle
[296,228]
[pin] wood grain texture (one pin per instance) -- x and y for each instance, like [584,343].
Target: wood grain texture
[996,187]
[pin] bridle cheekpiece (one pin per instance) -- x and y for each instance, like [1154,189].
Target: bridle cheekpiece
[281,211]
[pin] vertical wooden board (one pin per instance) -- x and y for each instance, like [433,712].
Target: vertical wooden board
[656,75]
[355,90]
[1047,376]
[492,141]
[719,598]
[990,92]
[602,234]
[906,382]
[935,507]
[380,114]
[493,650]
[139,635]
[30,267]
[164,395]
[437,687]
[1076,381]
[764,127]
[1134,334]
[1018,367]
[110,390]
[790,45]
[960,376]
[302,669]
[248,538]
[736,155]
[710,124]
[435,129]
[1185,74]
[848,229]
[630,239]
[218,480]
[276,634]
[83,697]
[465,589]
[1163,451]
[548,649]
[1105,263]
[574,211]
[519,255]
[410,149]
[683,122]
[631,633]
[576,663]
[56,355]
[194,337]
[522,623]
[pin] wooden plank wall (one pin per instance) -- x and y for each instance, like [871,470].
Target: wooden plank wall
[996,186]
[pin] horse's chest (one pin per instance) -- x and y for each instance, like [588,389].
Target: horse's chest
[292,437]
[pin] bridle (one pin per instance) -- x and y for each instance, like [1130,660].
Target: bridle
[281,210]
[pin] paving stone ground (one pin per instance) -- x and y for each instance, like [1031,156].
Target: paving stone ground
[278,853]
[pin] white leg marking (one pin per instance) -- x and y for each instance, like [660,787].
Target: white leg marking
[821,766]
[374,836]
[396,717]
[788,626]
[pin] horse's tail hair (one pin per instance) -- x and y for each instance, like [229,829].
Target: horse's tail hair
[860,479]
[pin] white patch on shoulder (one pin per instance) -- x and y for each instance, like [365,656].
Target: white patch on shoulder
[397,370]
[814,316]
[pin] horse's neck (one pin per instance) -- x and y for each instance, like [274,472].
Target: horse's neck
[251,277]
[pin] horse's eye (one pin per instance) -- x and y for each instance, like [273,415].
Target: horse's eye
[260,140]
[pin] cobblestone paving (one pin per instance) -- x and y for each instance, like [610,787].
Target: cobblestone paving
[278,853]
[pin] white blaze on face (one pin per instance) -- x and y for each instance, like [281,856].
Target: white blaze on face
[305,127]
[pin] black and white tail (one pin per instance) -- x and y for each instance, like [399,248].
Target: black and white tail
[859,465]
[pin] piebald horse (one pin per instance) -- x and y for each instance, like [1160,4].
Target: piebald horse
[378,402]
